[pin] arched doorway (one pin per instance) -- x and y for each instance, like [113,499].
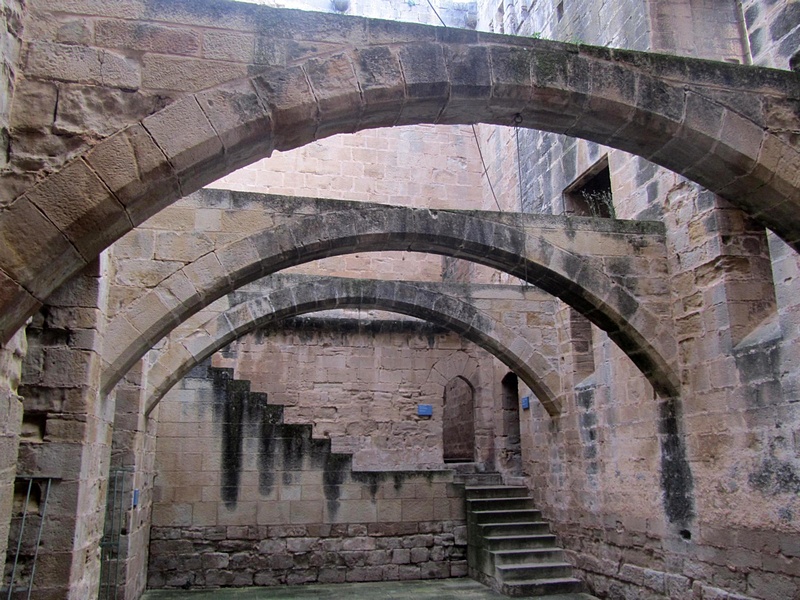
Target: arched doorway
[458,421]
[511,453]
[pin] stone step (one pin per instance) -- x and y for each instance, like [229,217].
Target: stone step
[519,542]
[533,571]
[516,528]
[528,556]
[478,479]
[485,517]
[512,546]
[495,491]
[485,504]
[542,587]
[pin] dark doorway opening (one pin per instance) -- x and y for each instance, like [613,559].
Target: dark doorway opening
[458,421]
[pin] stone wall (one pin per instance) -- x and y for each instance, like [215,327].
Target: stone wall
[12,352]
[66,438]
[133,466]
[11,356]
[654,497]
[666,497]
[242,499]
[359,382]
[773,30]
[13,16]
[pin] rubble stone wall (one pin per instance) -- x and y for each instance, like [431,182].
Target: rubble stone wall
[242,499]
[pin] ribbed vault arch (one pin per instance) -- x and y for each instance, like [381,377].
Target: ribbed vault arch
[527,246]
[181,355]
[711,122]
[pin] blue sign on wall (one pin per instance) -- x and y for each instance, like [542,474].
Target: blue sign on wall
[425,410]
[526,402]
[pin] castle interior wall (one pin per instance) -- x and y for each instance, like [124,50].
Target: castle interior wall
[665,497]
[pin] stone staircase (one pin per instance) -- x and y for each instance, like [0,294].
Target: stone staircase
[510,548]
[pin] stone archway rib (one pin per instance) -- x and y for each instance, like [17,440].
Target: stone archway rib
[323,293]
[589,264]
[723,126]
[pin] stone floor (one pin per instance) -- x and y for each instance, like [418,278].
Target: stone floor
[445,589]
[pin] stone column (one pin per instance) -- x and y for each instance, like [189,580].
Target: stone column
[133,452]
[11,355]
[70,437]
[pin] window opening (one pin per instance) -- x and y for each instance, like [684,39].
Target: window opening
[511,458]
[590,195]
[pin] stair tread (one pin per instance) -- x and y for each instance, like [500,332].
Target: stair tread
[481,488]
[537,565]
[543,580]
[529,536]
[513,524]
[506,511]
[504,499]
[527,551]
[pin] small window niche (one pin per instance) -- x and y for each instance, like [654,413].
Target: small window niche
[590,194]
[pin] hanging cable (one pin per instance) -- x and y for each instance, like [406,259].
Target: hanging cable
[485,169]
[517,121]
[436,13]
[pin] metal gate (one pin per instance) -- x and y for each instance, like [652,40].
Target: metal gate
[112,533]
[33,490]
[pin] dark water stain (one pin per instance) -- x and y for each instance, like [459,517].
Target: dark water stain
[677,482]
[587,422]
[295,441]
[240,413]
[334,475]
[775,477]
[232,440]
[271,417]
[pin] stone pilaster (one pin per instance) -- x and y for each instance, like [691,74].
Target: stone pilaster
[70,436]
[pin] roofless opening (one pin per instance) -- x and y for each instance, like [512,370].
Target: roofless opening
[590,195]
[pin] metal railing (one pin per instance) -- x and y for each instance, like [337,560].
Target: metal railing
[42,512]
[112,533]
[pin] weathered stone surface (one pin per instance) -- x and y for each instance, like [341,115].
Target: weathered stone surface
[721,457]
[40,100]
[292,105]
[136,170]
[297,552]
[99,111]
[244,121]
[26,258]
[77,202]
[187,138]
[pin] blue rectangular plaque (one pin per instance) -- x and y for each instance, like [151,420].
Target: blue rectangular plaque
[425,410]
[526,402]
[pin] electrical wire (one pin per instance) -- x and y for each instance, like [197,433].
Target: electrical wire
[485,169]
[517,121]
[436,13]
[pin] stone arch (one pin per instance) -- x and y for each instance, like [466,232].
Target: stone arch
[532,253]
[683,114]
[327,293]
